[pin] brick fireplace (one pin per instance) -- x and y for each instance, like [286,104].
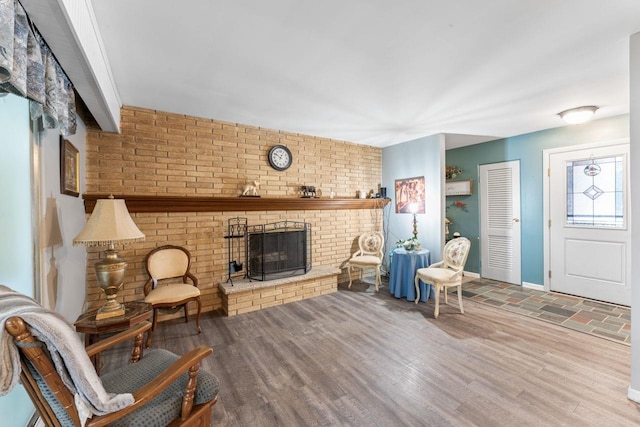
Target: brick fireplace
[181,176]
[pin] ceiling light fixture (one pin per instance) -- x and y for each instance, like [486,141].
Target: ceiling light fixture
[578,115]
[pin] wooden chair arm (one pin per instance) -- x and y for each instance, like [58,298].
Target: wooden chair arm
[43,364]
[147,286]
[189,362]
[436,264]
[106,343]
[193,278]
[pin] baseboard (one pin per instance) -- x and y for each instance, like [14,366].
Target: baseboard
[533,286]
[634,395]
[470,274]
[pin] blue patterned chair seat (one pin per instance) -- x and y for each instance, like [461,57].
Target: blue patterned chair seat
[165,407]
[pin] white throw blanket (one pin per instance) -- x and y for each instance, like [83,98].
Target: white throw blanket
[67,352]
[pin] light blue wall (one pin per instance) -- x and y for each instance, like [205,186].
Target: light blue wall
[16,238]
[64,265]
[420,157]
[528,149]
[16,245]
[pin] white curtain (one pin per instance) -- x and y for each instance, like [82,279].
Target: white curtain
[29,69]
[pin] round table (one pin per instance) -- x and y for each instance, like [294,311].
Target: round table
[404,265]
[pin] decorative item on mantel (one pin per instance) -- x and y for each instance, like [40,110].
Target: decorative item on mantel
[251,189]
[309,192]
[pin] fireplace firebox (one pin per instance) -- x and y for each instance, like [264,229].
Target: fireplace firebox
[278,250]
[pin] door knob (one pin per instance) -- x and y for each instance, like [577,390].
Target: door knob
[516,219]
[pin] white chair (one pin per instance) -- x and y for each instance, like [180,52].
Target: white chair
[369,255]
[446,273]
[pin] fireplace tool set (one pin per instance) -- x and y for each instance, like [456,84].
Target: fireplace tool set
[236,229]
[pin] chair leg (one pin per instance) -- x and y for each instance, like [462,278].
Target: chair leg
[460,298]
[349,271]
[153,326]
[378,280]
[446,300]
[198,315]
[437,309]
[417,283]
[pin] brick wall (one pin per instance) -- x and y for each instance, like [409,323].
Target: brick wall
[172,154]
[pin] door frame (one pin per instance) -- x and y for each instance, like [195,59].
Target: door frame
[546,193]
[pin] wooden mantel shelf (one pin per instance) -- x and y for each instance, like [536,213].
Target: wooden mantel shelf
[151,203]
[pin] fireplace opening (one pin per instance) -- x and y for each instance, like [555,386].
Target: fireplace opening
[278,250]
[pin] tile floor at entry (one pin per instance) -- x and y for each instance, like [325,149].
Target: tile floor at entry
[597,318]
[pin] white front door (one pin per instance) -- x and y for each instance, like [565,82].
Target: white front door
[500,221]
[589,231]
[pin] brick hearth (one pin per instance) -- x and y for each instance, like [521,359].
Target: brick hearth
[245,295]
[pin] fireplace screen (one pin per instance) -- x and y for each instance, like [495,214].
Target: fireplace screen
[278,250]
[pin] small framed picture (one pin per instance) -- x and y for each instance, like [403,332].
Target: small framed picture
[459,188]
[69,168]
[410,195]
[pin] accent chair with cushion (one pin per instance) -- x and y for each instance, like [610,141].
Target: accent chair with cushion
[368,255]
[42,351]
[165,264]
[446,273]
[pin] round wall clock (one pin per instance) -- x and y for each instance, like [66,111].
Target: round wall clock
[280,157]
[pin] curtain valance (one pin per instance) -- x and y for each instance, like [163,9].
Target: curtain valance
[29,69]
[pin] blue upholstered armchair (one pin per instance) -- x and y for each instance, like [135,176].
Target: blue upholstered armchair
[157,388]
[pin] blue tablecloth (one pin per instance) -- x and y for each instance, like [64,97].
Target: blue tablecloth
[404,265]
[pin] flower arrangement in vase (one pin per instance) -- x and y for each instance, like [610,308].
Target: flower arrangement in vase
[411,244]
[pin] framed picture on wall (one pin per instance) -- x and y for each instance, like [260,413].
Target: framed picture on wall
[458,188]
[410,195]
[69,168]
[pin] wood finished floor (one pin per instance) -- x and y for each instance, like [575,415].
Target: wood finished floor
[357,358]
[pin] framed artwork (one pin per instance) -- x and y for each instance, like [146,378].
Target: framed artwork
[69,169]
[458,188]
[408,191]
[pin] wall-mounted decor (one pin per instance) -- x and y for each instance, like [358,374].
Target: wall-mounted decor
[280,158]
[458,188]
[408,191]
[459,204]
[451,172]
[69,169]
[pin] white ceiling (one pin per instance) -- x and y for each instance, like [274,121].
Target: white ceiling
[375,72]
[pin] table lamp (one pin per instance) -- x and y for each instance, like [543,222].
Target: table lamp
[413,208]
[110,223]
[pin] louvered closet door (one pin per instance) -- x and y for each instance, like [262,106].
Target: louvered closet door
[500,221]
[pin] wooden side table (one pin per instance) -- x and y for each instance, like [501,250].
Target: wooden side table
[134,313]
